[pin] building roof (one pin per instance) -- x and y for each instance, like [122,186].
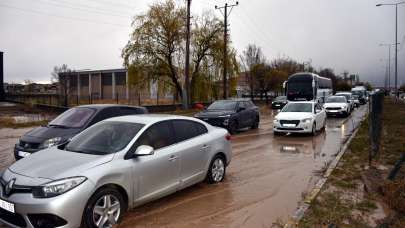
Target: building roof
[118,70]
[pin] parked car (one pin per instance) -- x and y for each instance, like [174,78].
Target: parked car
[349,98]
[300,117]
[356,101]
[337,105]
[231,114]
[279,102]
[113,166]
[67,125]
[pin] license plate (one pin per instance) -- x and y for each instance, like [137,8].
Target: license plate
[289,125]
[277,105]
[23,154]
[7,206]
[333,111]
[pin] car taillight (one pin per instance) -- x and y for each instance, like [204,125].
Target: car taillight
[228,137]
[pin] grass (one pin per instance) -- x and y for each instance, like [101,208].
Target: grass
[343,202]
[10,123]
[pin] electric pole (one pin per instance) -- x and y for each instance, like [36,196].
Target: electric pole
[186,94]
[225,67]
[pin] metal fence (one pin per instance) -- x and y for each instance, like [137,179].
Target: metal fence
[375,123]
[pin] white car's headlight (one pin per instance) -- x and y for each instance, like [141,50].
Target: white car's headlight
[57,187]
[307,120]
[225,116]
[51,142]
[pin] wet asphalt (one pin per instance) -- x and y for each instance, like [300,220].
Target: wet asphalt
[265,182]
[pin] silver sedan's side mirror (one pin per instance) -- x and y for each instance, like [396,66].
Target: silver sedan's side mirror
[144,150]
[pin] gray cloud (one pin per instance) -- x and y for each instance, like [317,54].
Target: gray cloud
[89,34]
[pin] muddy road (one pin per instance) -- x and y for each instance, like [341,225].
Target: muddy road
[265,182]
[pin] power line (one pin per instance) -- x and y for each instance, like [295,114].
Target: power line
[85,6]
[59,16]
[116,4]
[82,9]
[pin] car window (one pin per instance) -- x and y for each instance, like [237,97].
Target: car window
[73,118]
[157,136]
[104,138]
[185,129]
[106,113]
[248,104]
[130,111]
[241,104]
[222,105]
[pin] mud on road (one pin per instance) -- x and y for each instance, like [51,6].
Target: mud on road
[265,182]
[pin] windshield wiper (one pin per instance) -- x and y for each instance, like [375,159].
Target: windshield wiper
[58,126]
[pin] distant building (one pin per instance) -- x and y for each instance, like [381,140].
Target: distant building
[104,84]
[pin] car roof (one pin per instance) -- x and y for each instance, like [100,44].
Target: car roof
[103,106]
[148,119]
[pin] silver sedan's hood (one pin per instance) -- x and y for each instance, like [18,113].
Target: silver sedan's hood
[55,164]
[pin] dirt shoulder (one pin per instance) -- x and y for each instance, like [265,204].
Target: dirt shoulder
[357,195]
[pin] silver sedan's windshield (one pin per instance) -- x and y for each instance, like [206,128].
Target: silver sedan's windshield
[298,107]
[104,138]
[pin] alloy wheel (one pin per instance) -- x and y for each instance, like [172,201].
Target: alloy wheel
[218,170]
[106,211]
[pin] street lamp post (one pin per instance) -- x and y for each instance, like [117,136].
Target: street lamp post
[389,63]
[396,41]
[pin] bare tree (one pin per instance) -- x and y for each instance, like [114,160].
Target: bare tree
[60,75]
[251,57]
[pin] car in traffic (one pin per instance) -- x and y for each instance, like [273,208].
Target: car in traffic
[279,102]
[349,98]
[337,105]
[300,117]
[356,100]
[68,124]
[112,166]
[231,114]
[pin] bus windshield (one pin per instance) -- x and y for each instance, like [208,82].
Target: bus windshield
[297,90]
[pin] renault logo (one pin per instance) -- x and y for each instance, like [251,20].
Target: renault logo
[9,186]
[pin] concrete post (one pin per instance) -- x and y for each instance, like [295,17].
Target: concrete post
[127,85]
[113,85]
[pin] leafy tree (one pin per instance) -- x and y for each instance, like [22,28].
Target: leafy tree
[155,49]
[251,58]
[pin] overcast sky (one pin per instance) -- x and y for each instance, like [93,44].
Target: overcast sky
[90,34]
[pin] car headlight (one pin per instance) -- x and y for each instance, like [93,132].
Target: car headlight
[225,116]
[307,120]
[57,187]
[51,142]
[275,120]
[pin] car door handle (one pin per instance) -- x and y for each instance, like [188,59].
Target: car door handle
[172,158]
[205,147]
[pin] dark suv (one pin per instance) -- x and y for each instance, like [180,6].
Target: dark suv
[68,124]
[231,114]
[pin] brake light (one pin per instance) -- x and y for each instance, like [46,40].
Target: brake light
[228,137]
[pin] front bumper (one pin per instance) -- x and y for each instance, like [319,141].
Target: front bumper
[66,210]
[217,122]
[300,128]
[335,112]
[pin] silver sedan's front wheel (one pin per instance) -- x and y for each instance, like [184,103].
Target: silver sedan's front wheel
[106,211]
[104,208]
[216,172]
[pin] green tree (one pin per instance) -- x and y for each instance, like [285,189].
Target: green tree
[155,48]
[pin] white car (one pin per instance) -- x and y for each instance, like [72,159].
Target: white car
[300,117]
[337,105]
[349,98]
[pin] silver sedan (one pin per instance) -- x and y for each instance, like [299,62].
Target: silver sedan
[113,166]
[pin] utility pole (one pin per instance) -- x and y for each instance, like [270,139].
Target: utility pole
[225,67]
[186,94]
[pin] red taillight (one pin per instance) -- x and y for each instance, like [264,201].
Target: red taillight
[228,137]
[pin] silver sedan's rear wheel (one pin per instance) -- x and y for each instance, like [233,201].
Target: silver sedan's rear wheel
[216,172]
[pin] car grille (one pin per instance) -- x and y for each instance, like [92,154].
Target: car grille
[296,122]
[28,145]
[333,108]
[16,188]
[12,218]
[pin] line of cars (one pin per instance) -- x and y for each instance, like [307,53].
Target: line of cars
[310,116]
[92,163]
